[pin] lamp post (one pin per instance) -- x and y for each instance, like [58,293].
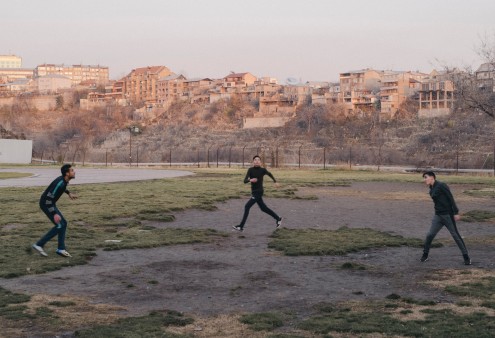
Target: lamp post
[132,130]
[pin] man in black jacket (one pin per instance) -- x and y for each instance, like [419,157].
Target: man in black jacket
[48,205]
[446,214]
[254,176]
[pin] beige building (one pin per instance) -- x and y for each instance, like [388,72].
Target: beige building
[395,88]
[10,61]
[53,83]
[13,74]
[141,85]
[77,73]
[436,97]
[170,88]
[359,90]
[233,80]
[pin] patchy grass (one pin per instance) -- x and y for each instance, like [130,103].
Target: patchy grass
[317,242]
[7,175]
[394,318]
[478,216]
[481,192]
[266,321]
[152,325]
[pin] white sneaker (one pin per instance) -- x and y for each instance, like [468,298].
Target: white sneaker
[40,250]
[63,253]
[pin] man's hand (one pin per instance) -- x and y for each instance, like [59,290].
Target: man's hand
[457,217]
[277,185]
[72,196]
[57,218]
[253,180]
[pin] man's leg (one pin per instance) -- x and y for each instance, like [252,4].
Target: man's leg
[452,227]
[62,228]
[51,233]
[266,209]
[436,225]
[247,207]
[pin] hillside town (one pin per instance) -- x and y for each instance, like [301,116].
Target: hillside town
[153,89]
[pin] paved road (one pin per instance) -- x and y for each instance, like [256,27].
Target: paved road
[43,176]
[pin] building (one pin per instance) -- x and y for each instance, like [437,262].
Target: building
[12,74]
[77,73]
[10,61]
[141,84]
[359,90]
[170,88]
[485,76]
[53,83]
[233,80]
[395,88]
[436,96]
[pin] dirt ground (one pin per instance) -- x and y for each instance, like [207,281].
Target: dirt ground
[240,274]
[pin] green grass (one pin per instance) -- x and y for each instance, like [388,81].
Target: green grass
[265,321]
[378,318]
[345,240]
[478,216]
[152,325]
[482,289]
[6,175]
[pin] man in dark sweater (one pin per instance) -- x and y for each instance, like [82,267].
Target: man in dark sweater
[254,176]
[48,205]
[446,214]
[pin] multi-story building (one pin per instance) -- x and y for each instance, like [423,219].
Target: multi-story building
[436,96]
[395,88]
[359,90]
[12,74]
[235,80]
[52,83]
[77,73]
[485,76]
[141,85]
[170,88]
[10,61]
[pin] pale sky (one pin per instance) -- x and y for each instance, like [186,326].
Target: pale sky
[311,40]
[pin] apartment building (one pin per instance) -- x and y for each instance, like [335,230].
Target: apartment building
[359,89]
[436,96]
[10,61]
[12,74]
[77,73]
[236,80]
[485,76]
[395,88]
[141,84]
[170,88]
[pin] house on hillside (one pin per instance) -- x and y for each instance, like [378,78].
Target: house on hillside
[141,84]
[396,87]
[359,89]
[436,96]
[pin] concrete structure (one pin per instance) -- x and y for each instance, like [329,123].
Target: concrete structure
[16,151]
[77,73]
[10,61]
[18,86]
[171,88]
[436,97]
[141,84]
[485,76]
[13,74]
[264,122]
[359,89]
[395,88]
[53,83]
[234,80]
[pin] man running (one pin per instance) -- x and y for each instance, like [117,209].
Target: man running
[48,202]
[446,214]
[254,176]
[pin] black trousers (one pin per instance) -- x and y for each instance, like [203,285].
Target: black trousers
[257,198]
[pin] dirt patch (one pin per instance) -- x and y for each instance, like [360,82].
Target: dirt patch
[239,274]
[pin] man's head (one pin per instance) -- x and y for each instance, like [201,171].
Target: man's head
[429,177]
[67,171]
[256,161]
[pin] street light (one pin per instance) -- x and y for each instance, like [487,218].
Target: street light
[132,130]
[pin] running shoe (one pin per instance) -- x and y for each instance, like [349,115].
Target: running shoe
[424,258]
[467,260]
[279,222]
[238,228]
[63,253]
[40,250]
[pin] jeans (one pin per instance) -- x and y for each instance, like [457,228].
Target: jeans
[437,223]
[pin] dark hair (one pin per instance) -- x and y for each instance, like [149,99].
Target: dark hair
[429,173]
[258,156]
[65,169]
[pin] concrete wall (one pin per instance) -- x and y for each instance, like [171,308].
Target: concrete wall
[16,151]
[265,122]
[436,112]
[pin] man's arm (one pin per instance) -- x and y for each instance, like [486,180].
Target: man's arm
[248,176]
[450,197]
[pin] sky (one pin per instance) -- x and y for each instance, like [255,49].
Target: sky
[311,40]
